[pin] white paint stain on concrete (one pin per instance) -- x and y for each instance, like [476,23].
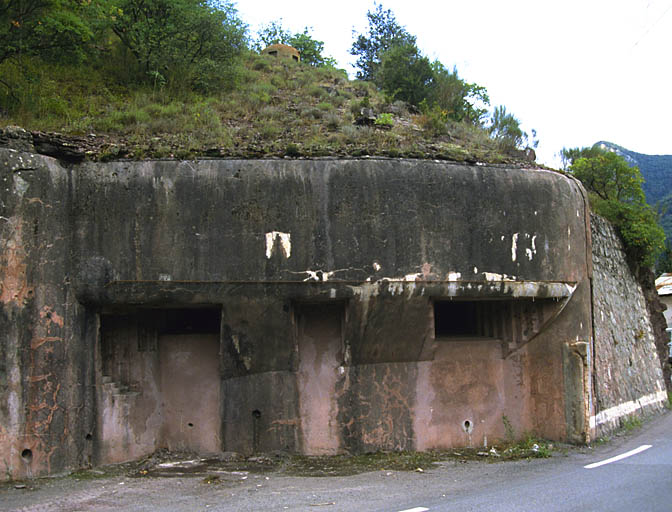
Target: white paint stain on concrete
[247,360]
[475,270]
[376,266]
[618,411]
[514,246]
[493,276]
[20,185]
[318,275]
[285,243]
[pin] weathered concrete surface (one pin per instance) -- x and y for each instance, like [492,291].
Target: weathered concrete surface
[99,261]
[628,376]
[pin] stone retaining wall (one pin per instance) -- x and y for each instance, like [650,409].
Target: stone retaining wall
[627,373]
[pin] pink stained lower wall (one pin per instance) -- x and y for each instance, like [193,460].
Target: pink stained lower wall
[319,343]
[464,393]
[165,397]
[190,392]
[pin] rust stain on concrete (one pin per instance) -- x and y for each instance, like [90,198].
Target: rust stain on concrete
[13,280]
[38,342]
[38,378]
[51,317]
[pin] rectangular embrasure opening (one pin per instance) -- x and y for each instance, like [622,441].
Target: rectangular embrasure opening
[468,319]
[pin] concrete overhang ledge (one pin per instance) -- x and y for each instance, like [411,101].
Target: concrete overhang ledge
[149,291]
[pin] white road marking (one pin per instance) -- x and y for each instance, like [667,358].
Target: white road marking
[625,455]
[416,509]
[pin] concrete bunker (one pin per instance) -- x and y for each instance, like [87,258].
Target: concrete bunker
[283,51]
[309,306]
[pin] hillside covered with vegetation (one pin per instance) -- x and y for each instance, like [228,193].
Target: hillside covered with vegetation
[184,78]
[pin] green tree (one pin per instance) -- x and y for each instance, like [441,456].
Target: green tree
[505,128]
[608,176]
[310,48]
[404,74]
[383,33]
[272,33]
[568,155]
[201,38]
[615,191]
[47,28]
[460,100]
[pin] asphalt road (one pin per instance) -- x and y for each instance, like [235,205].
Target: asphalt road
[640,482]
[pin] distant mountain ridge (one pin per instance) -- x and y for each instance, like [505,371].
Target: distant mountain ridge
[657,173]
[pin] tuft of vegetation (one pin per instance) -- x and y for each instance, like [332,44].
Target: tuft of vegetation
[615,190]
[630,423]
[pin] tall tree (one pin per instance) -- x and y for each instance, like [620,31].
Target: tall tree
[615,190]
[383,33]
[505,128]
[167,35]
[460,100]
[404,74]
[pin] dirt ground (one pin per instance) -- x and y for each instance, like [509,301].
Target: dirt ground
[181,482]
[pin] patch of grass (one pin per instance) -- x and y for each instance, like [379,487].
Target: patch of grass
[90,474]
[384,119]
[630,423]
[325,106]
[268,105]
[529,448]
[342,465]
[316,91]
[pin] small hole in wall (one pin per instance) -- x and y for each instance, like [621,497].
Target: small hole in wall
[256,414]
[27,456]
[89,437]
[468,426]
[190,424]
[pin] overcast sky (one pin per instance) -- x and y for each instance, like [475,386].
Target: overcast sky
[577,71]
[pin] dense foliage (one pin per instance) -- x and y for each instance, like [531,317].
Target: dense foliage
[615,190]
[383,33]
[655,170]
[405,74]
[60,28]
[192,39]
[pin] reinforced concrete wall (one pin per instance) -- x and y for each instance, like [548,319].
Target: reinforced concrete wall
[347,305]
[628,374]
